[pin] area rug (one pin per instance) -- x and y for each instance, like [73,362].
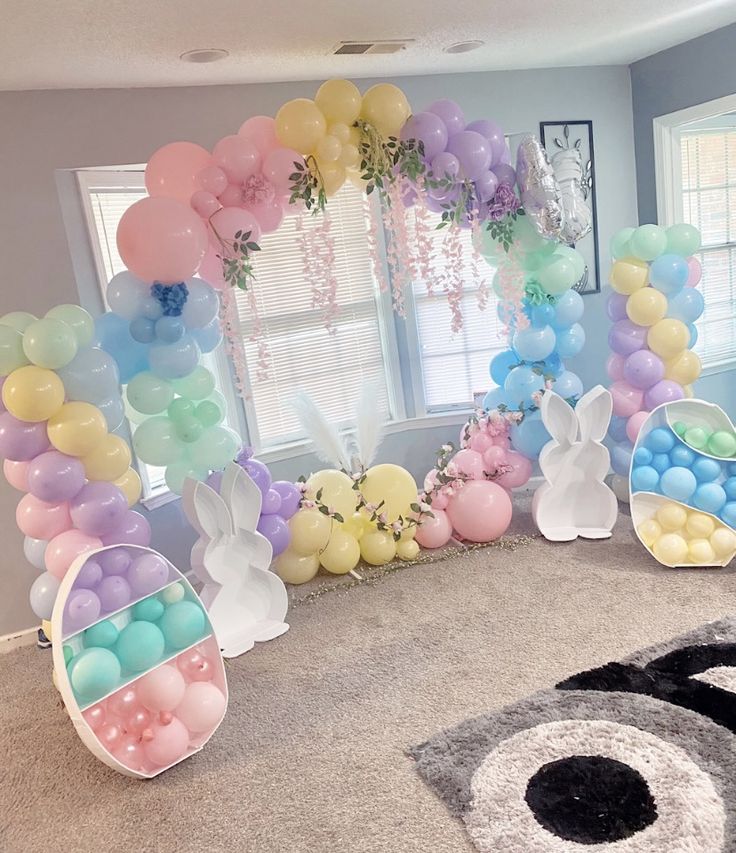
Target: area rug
[637,756]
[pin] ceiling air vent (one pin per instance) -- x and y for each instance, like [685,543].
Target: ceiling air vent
[365,47]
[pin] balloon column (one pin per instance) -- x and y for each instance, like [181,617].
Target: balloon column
[60,405]
[653,309]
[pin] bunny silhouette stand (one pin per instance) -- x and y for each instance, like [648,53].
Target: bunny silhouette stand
[574,501]
[246,602]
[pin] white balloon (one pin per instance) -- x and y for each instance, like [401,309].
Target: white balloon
[620,487]
[34,549]
[43,595]
[126,293]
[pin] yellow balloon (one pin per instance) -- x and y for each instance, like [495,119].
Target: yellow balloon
[296,568]
[629,275]
[407,549]
[355,178]
[668,338]
[684,368]
[33,393]
[377,547]
[339,101]
[340,131]
[341,554]
[393,485]
[130,485]
[671,549]
[332,176]
[672,516]
[337,491]
[355,525]
[328,149]
[701,552]
[649,531]
[46,627]
[310,531]
[689,393]
[300,125]
[723,541]
[408,533]
[109,459]
[385,107]
[646,306]
[349,155]
[77,428]
[700,525]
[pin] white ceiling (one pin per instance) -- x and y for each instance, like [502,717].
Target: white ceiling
[121,43]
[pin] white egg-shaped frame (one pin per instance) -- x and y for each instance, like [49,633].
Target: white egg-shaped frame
[70,640]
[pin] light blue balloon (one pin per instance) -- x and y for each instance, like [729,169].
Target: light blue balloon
[143,330]
[209,337]
[201,306]
[617,428]
[494,398]
[687,306]
[126,295]
[660,440]
[151,308]
[644,478]
[710,497]
[91,376]
[521,383]
[534,344]
[706,470]
[728,513]
[668,273]
[621,459]
[570,341]
[679,484]
[43,595]
[568,385]
[542,315]
[113,410]
[693,329]
[682,456]
[552,365]
[569,309]
[169,329]
[530,436]
[113,335]
[501,364]
[660,462]
[174,361]
[643,456]
[729,486]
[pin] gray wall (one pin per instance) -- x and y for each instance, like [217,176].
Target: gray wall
[44,131]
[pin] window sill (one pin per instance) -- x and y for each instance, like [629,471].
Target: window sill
[720,367]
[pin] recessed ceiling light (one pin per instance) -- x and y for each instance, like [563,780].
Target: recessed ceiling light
[207,54]
[464,46]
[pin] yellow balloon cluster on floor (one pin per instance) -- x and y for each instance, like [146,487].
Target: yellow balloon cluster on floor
[679,535]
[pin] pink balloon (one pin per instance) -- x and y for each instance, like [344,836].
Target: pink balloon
[110,736]
[434,532]
[212,180]
[232,196]
[695,271]
[261,131]
[211,270]
[137,721]
[41,520]
[202,707]
[480,442]
[480,511]
[521,471]
[161,240]
[133,530]
[123,703]
[204,204]
[279,165]
[165,743]
[63,549]
[469,463]
[439,501]
[627,400]
[634,424]
[95,716]
[172,170]
[226,222]
[493,457]
[195,666]
[16,473]
[615,366]
[269,215]
[237,157]
[129,751]
[161,689]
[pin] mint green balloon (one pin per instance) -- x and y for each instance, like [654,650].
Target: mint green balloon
[683,239]
[93,673]
[103,634]
[575,258]
[189,428]
[489,248]
[155,442]
[12,355]
[148,394]
[19,320]
[527,236]
[621,243]
[648,242]
[496,284]
[209,413]
[557,276]
[149,609]
[181,408]
[200,383]
[177,472]
[217,446]
[183,623]
[49,343]
[79,320]
[140,646]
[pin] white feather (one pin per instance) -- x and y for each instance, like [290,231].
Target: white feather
[368,426]
[328,445]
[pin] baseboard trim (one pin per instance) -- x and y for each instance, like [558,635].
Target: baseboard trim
[10,642]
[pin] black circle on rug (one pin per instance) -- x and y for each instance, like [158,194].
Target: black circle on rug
[590,799]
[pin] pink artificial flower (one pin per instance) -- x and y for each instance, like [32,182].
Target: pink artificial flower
[257,189]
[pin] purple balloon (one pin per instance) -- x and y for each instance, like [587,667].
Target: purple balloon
[486,185]
[643,368]
[114,561]
[21,441]
[506,174]
[113,592]
[626,337]
[276,530]
[473,151]
[55,477]
[290,497]
[492,132]
[259,473]
[89,575]
[665,391]
[148,573]
[98,508]
[132,530]
[82,608]
[444,166]
[429,129]
[271,503]
[450,113]
[616,307]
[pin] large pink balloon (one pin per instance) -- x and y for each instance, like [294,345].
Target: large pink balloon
[480,511]
[16,473]
[172,170]
[41,520]
[261,131]
[470,463]
[627,400]
[161,239]
[521,470]
[63,549]
[279,165]
[162,689]
[237,157]
[269,215]
[481,442]
[165,743]
[634,424]
[212,179]
[202,707]
[434,532]
[228,221]
[211,270]
[493,458]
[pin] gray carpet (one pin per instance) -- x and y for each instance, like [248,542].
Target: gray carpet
[311,756]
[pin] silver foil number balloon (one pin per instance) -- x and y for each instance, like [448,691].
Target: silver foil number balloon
[577,218]
[538,187]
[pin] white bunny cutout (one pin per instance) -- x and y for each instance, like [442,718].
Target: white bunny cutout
[574,499]
[246,602]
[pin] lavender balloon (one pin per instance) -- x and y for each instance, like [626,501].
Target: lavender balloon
[114,561]
[271,504]
[506,174]
[82,608]
[276,530]
[473,152]
[665,391]
[643,368]
[494,134]
[113,592]
[626,337]
[429,129]
[486,185]
[89,575]
[616,307]
[259,473]
[148,573]
[132,530]
[98,509]
[450,113]
[445,166]
[21,441]
[290,497]
[55,477]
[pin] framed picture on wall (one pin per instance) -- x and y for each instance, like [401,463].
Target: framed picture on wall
[558,137]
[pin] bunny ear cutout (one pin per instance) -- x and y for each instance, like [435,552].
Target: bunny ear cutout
[594,413]
[559,418]
[243,497]
[211,515]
